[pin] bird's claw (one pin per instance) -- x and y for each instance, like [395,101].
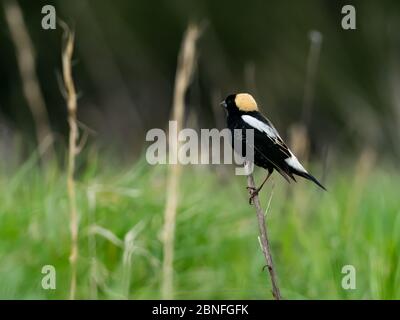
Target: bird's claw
[266,267]
[253,193]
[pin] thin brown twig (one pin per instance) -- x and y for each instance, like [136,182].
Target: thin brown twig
[184,72]
[263,238]
[71,99]
[30,83]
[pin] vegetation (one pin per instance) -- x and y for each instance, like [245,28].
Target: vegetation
[217,255]
[331,92]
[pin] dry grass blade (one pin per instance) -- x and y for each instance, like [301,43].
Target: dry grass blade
[184,72]
[106,234]
[30,82]
[71,99]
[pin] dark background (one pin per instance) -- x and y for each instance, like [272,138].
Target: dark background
[125,61]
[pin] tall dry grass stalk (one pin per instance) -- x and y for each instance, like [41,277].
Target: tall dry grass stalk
[71,99]
[263,238]
[92,245]
[363,169]
[312,67]
[30,83]
[184,72]
[298,135]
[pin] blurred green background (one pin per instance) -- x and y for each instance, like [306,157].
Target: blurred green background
[124,69]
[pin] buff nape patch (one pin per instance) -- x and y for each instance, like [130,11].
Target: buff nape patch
[245,102]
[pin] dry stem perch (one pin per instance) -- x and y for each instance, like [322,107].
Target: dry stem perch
[264,239]
[184,72]
[71,99]
[30,84]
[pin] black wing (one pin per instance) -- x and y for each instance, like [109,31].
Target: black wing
[269,145]
[269,148]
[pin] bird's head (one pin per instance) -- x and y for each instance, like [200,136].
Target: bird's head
[243,102]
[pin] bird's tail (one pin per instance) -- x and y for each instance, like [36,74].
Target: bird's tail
[311,178]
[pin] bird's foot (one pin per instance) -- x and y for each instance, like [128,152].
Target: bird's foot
[266,267]
[253,192]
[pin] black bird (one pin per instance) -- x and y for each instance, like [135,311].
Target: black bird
[270,152]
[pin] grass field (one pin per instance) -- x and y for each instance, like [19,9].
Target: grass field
[217,255]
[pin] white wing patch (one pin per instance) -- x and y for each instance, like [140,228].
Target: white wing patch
[261,126]
[273,135]
[294,163]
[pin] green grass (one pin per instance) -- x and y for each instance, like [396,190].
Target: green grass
[217,255]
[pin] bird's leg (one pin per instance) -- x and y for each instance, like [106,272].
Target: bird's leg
[255,191]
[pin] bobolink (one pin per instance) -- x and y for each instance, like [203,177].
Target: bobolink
[270,152]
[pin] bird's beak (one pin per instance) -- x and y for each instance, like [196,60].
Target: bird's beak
[223,104]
